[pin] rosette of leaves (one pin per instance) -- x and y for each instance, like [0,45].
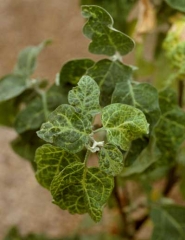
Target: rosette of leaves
[73,185]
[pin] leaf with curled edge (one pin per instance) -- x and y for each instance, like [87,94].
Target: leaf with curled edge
[140,95]
[123,124]
[82,190]
[85,97]
[73,70]
[50,161]
[105,39]
[107,73]
[67,129]
[110,160]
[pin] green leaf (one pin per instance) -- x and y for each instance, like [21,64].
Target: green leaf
[136,147]
[146,158]
[177,4]
[26,63]
[110,160]
[31,117]
[25,146]
[11,86]
[107,73]
[67,129]
[105,39]
[85,97]
[169,222]
[51,160]
[170,130]
[140,95]
[10,108]
[119,10]
[79,190]
[123,124]
[73,70]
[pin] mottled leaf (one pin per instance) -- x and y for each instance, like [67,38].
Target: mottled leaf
[169,222]
[140,95]
[177,4]
[73,70]
[110,160]
[82,190]
[85,97]
[51,160]
[107,73]
[11,86]
[119,10]
[123,124]
[26,63]
[105,39]
[66,129]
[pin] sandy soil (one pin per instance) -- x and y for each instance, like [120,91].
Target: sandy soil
[27,22]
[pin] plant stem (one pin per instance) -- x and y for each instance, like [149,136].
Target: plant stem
[121,205]
[88,153]
[44,102]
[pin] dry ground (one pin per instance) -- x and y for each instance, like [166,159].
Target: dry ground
[27,22]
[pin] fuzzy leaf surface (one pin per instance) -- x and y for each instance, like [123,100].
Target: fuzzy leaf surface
[123,124]
[105,39]
[169,222]
[73,70]
[85,97]
[26,63]
[51,160]
[110,160]
[11,86]
[142,96]
[82,190]
[66,129]
[177,4]
[107,73]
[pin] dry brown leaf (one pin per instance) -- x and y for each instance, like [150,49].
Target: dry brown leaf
[146,19]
